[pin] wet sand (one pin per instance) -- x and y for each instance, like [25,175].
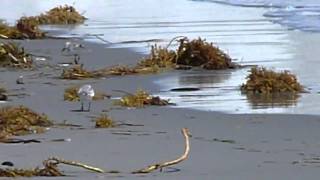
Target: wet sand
[263,146]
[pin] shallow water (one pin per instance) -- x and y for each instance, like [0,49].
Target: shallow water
[295,14]
[248,33]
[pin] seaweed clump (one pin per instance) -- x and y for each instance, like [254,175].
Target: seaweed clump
[79,72]
[60,15]
[24,29]
[71,94]
[119,70]
[198,52]
[104,121]
[264,81]
[189,54]
[12,55]
[159,57]
[16,121]
[140,99]
[28,27]
[7,31]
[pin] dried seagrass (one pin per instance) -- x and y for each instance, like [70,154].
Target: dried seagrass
[12,55]
[28,27]
[159,57]
[140,99]
[21,121]
[79,72]
[104,121]
[262,80]
[198,52]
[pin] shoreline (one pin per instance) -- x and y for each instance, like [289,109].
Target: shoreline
[262,146]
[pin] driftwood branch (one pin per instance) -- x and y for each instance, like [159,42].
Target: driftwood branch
[183,157]
[13,57]
[169,44]
[74,163]
[4,36]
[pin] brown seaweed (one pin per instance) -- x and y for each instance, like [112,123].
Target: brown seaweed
[7,31]
[12,55]
[104,121]
[21,121]
[159,57]
[264,81]
[60,15]
[79,72]
[198,52]
[28,27]
[140,99]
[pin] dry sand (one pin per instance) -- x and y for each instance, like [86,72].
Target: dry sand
[264,146]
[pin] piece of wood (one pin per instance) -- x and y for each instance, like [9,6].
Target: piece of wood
[74,163]
[183,157]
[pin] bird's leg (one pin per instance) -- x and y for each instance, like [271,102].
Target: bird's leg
[81,105]
[89,106]
[76,59]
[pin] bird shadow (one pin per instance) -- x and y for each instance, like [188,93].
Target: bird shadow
[79,110]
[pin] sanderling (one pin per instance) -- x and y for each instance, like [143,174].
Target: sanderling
[76,59]
[3,97]
[86,93]
[20,80]
[71,46]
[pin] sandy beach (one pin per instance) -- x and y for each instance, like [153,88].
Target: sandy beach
[223,146]
[234,136]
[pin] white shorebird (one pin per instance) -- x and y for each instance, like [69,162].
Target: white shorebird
[86,94]
[20,80]
[71,46]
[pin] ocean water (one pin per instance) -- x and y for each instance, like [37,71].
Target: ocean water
[295,14]
[275,34]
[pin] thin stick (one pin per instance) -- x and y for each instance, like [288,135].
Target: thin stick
[122,91]
[101,39]
[13,57]
[183,157]
[4,36]
[78,164]
[174,39]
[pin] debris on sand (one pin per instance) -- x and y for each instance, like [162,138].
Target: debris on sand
[12,55]
[50,168]
[140,99]
[119,70]
[104,121]
[79,72]
[16,121]
[194,53]
[159,57]
[198,52]
[190,53]
[28,27]
[264,81]
[71,94]
[9,32]
[3,95]
[24,29]
[50,165]
[60,15]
